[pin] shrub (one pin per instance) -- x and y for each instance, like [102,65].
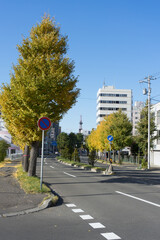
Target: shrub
[65,153]
[144,163]
[92,157]
[75,156]
[3,149]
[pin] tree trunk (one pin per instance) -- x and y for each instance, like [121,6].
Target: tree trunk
[26,158]
[33,158]
[119,157]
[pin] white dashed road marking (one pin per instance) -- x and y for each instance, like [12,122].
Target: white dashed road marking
[69,174]
[86,217]
[51,166]
[77,210]
[140,199]
[110,236]
[97,225]
[70,205]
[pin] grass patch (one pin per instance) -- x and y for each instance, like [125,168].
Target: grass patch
[79,164]
[101,161]
[87,166]
[3,163]
[67,160]
[29,184]
[74,163]
[100,168]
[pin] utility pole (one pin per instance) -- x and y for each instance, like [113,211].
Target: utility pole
[149,121]
[148,81]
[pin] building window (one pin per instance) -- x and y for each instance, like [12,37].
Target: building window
[158,134]
[111,109]
[158,117]
[112,95]
[113,102]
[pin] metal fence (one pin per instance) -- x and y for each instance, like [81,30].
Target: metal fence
[123,158]
[130,159]
[15,156]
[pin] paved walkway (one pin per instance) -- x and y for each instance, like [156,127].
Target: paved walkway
[12,198]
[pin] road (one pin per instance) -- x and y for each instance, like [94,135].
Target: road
[93,206]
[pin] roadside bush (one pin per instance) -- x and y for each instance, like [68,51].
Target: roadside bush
[3,149]
[75,156]
[65,153]
[144,163]
[92,158]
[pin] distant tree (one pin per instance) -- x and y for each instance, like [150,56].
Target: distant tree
[75,155]
[79,140]
[72,142]
[62,141]
[142,131]
[117,125]
[3,149]
[92,140]
[121,130]
[42,84]
[134,147]
[92,157]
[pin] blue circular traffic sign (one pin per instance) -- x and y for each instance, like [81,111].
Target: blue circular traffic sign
[44,123]
[110,138]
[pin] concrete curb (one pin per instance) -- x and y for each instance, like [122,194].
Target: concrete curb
[84,168]
[45,204]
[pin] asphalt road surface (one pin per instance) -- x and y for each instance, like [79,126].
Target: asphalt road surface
[92,206]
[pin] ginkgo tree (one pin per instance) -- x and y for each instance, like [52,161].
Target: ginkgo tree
[121,130]
[42,84]
[116,124]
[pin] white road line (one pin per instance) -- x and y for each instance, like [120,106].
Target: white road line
[140,199]
[86,217]
[97,225]
[70,205]
[51,166]
[110,236]
[77,210]
[69,174]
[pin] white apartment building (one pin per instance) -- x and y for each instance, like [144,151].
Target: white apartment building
[137,108]
[155,152]
[5,135]
[110,100]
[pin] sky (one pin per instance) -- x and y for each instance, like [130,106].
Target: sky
[111,41]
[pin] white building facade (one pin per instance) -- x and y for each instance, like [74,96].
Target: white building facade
[137,108]
[110,100]
[5,135]
[155,152]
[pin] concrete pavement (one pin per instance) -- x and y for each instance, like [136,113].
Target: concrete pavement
[13,200]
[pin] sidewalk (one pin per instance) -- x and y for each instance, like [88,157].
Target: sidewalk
[12,198]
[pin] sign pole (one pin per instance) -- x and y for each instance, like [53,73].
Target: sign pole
[41,180]
[110,139]
[44,123]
